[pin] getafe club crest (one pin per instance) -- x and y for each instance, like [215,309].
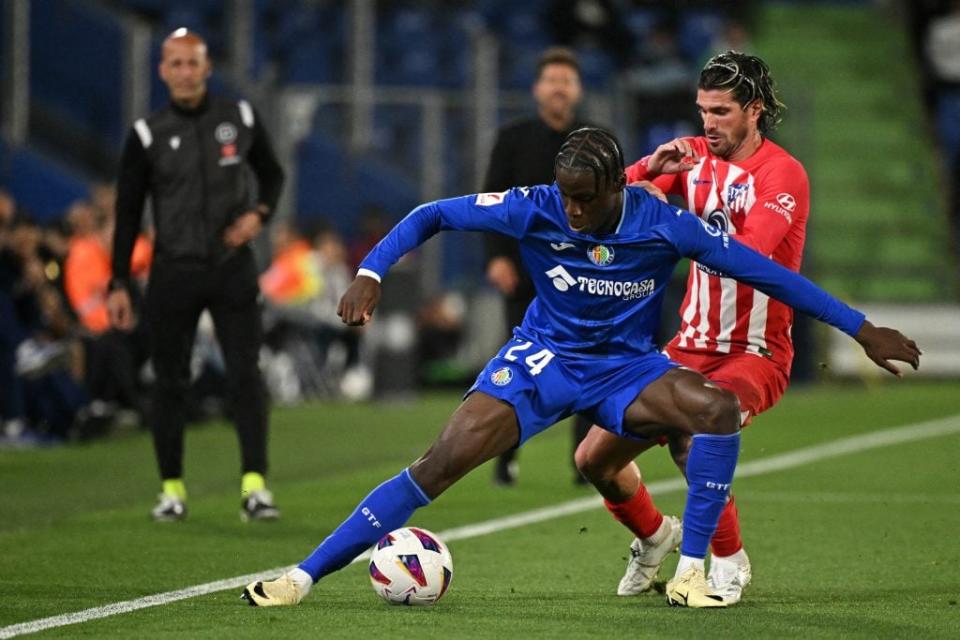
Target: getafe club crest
[600,255]
[502,376]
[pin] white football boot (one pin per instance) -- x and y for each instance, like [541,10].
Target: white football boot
[689,589]
[729,576]
[646,558]
[286,591]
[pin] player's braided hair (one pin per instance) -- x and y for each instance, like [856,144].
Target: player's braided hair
[592,149]
[748,78]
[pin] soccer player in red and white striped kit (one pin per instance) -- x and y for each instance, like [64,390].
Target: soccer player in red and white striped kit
[736,179]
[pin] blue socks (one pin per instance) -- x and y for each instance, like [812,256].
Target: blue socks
[710,466]
[386,508]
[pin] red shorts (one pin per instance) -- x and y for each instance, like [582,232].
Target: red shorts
[755,380]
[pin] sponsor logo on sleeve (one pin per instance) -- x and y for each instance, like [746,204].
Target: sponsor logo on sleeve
[784,205]
[490,199]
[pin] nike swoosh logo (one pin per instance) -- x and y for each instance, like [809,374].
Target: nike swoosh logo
[560,246]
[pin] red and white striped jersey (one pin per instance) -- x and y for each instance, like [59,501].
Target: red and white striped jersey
[764,201]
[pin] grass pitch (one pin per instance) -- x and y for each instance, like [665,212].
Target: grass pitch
[857,546]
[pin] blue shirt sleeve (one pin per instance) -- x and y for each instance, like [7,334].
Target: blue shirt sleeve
[508,213]
[709,246]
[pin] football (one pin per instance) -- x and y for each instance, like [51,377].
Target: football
[411,566]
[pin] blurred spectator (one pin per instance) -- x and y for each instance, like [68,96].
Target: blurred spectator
[659,67]
[112,357]
[597,24]
[735,36]
[942,47]
[310,352]
[943,53]
[39,399]
[374,224]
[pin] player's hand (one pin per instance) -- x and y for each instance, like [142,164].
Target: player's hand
[651,188]
[502,274]
[120,310]
[357,304]
[672,157]
[882,344]
[243,229]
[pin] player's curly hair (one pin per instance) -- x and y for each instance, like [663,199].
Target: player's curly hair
[748,78]
[592,149]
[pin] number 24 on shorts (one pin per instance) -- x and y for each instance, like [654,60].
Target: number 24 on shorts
[537,361]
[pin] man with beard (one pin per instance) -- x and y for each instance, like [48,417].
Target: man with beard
[523,155]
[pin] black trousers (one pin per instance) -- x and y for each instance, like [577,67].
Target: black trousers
[176,296]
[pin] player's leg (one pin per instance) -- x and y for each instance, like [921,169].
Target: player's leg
[479,430]
[579,431]
[689,403]
[236,318]
[758,383]
[606,460]
[173,306]
[507,468]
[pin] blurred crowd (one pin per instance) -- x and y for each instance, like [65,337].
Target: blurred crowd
[936,37]
[66,374]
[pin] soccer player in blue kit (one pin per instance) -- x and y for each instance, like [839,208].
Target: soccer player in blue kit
[600,254]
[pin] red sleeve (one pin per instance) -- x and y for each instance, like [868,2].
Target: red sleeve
[782,200]
[666,182]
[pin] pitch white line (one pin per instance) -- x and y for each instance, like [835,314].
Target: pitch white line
[796,458]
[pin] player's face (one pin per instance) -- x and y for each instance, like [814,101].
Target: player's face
[557,90]
[589,210]
[726,124]
[185,69]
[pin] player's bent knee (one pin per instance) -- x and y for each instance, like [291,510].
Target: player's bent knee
[720,413]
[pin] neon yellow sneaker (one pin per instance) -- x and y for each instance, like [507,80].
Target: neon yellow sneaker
[689,589]
[285,591]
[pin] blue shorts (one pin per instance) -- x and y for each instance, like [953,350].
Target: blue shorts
[544,388]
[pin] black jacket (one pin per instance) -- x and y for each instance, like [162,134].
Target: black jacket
[523,156]
[194,166]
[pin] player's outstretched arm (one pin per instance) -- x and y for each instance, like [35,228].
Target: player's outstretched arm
[882,344]
[357,304]
[715,249]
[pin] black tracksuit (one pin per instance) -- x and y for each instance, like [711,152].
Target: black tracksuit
[195,165]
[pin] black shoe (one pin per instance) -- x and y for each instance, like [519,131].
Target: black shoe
[259,506]
[505,472]
[169,509]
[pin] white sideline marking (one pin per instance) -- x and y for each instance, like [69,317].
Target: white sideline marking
[796,458]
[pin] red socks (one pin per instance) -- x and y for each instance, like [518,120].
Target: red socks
[642,517]
[638,514]
[726,539]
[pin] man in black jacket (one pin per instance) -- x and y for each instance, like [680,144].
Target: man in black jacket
[192,158]
[524,154]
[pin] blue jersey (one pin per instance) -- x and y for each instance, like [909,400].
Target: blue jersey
[600,296]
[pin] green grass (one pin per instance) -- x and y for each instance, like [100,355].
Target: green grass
[856,546]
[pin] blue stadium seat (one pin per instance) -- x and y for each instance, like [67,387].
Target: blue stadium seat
[597,67]
[697,30]
[64,84]
[326,184]
[40,186]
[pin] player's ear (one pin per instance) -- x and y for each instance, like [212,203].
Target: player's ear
[620,182]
